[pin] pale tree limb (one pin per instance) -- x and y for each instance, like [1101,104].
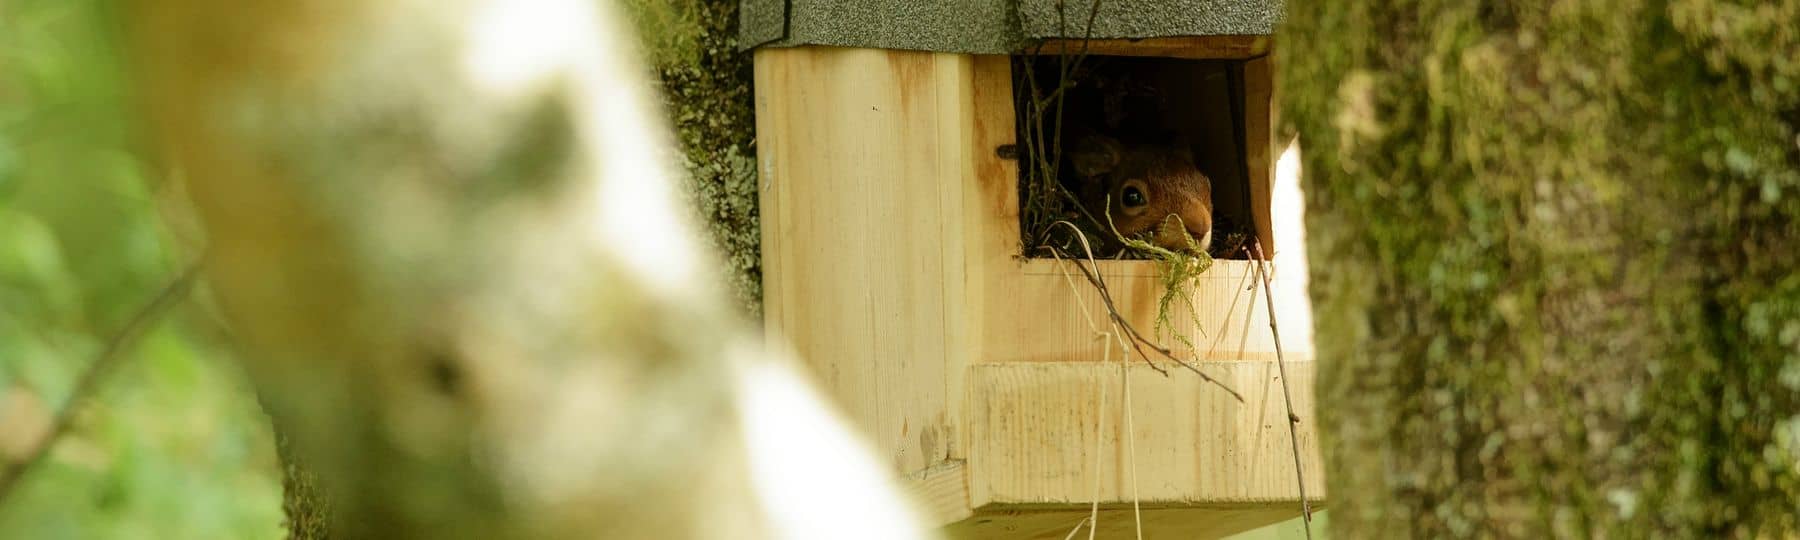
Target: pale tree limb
[447,236]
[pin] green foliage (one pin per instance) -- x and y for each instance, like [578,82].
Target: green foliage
[671,31]
[1552,263]
[1175,270]
[174,445]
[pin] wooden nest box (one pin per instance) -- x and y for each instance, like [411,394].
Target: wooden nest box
[893,262]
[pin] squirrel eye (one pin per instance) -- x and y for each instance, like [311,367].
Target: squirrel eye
[1132,196]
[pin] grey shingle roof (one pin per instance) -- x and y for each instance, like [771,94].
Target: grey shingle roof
[991,26]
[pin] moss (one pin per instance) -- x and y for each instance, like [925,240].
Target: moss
[668,31]
[706,83]
[1553,252]
[306,510]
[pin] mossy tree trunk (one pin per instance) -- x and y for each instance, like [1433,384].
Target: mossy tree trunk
[307,511]
[706,86]
[1553,263]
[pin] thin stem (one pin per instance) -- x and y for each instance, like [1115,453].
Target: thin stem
[1286,395]
[1138,341]
[1137,512]
[171,294]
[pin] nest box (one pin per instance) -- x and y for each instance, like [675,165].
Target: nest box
[893,262]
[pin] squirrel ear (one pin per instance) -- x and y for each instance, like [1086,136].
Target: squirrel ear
[1095,155]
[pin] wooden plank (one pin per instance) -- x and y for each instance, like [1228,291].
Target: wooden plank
[991,224]
[988,228]
[1192,47]
[1117,521]
[940,492]
[1259,117]
[858,149]
[1042,310]
[1034,436]
[794,180]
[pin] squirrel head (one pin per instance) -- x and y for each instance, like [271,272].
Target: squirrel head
[1148,188]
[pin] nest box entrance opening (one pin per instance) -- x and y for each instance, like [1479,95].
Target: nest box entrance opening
[1150,148]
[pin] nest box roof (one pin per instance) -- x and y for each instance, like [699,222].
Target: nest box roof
[992,26]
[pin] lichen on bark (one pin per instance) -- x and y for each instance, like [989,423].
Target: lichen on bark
[706,87]
[1553,257]
[306,511]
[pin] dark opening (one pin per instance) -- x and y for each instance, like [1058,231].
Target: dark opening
[1129,118]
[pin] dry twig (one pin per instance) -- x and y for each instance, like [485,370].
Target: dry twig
[1137,340]
[171,294]
[1281,364]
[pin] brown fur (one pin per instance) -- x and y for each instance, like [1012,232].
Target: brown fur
[1167,178]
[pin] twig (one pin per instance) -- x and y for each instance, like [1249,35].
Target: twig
[1109,338]
[1099,449]
[1078,525]
[1138,341]
[121,342]
[1281,363]
[1112,311]
[1137,511]
[1043,184]
[1226,324]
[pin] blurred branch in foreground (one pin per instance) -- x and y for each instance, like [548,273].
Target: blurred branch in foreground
[446,237]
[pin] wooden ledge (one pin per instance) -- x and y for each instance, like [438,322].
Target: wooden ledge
[1117,521]
[1033,439]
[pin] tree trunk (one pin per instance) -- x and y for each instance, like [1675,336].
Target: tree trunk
[306,509]
[1553,263]
[706,86]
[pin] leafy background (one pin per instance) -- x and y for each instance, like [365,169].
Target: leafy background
[173,445]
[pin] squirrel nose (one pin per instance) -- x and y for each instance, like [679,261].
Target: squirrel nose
[1202,238]
[1170,236]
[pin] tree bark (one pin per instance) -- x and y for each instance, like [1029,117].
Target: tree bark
[705,84]
[306,509]
[1553,264]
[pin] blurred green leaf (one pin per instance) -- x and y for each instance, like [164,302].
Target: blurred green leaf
[174,444]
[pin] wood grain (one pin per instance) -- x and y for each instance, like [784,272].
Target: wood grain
[1053,522]
[1259,119]
[860,153]
[941,491]
[892,263]
[1034,314]
[1033,430]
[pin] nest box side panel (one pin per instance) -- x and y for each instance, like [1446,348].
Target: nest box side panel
[1118,521]
[865,170]
[1043,310]
[1259,132]
[1193,442]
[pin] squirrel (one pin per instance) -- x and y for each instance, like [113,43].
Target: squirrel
[1144,188]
